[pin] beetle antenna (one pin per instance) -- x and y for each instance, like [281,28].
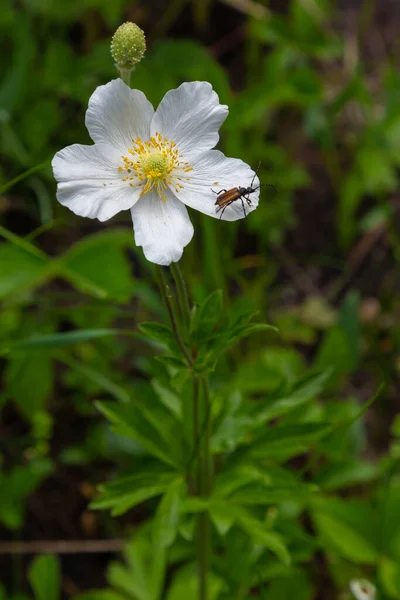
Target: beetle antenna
[267,185]
[255,173]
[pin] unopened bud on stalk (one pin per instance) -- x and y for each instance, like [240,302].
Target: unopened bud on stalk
[128,46]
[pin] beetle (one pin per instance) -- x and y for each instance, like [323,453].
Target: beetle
[226,197]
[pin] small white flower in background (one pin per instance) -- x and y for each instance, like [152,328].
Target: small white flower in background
[362,589]
[153,163]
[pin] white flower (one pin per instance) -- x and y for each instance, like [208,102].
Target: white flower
[362,589]
[153,163]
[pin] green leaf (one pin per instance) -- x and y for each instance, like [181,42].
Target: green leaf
[125,493]
[256,529]
[16,485]
[257,494]
[173,362]
[349,528]
[231,425]
[389,576]
[335,353]
[222,521]
[44,577]
[100,595]
[303,391]
[168,398]
[271,370]
[184,585]
[350,195]
[345,540]
[100,379]
[19,269]
[135,580]
[336,476]
[288,440]
[159,332]
[128,583]
[231,330]
[294,584]
[167,516]
[56,340]
[262,535]
[165,529]
[100,262]
[207,316]
[29,379]
[349,322]
[158,433]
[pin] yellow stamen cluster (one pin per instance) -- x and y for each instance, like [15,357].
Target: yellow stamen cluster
[156,163]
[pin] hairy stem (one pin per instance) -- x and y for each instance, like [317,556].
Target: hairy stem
[201,421]
[182,292]
[164,289]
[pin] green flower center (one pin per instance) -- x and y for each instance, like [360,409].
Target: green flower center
[155,166]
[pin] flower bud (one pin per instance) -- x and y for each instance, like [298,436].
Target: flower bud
[128,46]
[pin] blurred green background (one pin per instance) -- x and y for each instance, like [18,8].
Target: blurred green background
[313,88]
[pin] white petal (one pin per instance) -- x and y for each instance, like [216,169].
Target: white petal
[214,171]
[89,183]
[162,228]
[191,116]
[116,114]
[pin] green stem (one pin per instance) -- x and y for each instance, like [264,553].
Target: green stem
[204,489]
[183,296]
[208,466]
[125,75]
[22,176]
[201,424]
[163,285]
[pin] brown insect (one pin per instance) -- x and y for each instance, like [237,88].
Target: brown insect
[227,197]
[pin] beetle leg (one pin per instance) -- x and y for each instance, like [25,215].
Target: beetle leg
[218,193]
[244,212]
[225,207]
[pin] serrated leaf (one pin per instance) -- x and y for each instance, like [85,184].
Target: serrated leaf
[159,437]
[256,529]
[135,578]
[207,316]
[281,402]
[288,440]
[125,493]
[159,332]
